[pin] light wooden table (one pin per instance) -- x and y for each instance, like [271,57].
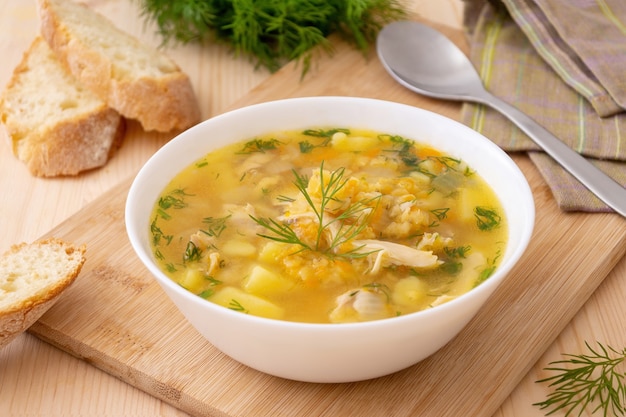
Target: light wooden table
[38,379]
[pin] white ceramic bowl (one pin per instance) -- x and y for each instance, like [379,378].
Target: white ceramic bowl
[331,352]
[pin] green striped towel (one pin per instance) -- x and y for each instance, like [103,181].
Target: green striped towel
[563,62]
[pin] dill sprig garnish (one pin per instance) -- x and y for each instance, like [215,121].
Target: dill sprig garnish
[351,221]
[587,380]
[272,32]
[282,232]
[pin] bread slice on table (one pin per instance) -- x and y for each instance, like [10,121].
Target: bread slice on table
[137,80]
[32,277]
[55,125]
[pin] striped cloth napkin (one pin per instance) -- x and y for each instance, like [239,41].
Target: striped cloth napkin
[562,62]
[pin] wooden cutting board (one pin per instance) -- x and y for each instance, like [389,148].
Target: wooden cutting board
[117,318]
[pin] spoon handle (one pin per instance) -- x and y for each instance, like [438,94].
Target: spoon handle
[603,186]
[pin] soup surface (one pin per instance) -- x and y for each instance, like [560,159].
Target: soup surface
[328,226]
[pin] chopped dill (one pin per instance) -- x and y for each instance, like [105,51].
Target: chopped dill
[207,293]
[213,281]
[307,147]
[484,274]
[489,269]
[237,306]
[486,218]
[447,161]
[163,214]
[259,146]
[175,199]
[457,252]
[451,267]
[322,133]
[158,235]
[192,252]
[215,225]
[378,287]
[405,149]
[440,213]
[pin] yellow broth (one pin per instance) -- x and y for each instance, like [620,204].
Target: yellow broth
[328,226]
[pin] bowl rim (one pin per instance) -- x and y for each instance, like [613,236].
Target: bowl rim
[490,284]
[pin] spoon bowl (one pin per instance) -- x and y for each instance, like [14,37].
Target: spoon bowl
[424,70]
[427,62]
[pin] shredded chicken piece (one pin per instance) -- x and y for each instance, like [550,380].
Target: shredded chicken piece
[360,305]
[240,218]
[431,241]
[202,240]
[394,253]
[211,257]
[442,299]
[213,262]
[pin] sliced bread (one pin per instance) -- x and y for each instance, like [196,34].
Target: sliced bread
[54,124]
[32,277]
[137,80]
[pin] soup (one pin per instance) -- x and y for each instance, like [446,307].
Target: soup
[328,226]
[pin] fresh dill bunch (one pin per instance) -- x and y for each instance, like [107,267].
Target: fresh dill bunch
[594,380]
[272,32]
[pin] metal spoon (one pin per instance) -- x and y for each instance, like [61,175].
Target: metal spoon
[425,61]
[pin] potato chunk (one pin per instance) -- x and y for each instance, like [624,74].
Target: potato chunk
[239,248]
[342,142]
[239,300]
[194,280]
[264,282]
[409,292]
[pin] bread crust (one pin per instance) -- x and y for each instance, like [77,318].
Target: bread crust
[63,145]
[162,103]
[14,323]
[74,145]
[21,314]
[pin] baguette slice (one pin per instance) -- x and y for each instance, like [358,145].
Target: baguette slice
[55,125]
[32,278]
[135,79]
